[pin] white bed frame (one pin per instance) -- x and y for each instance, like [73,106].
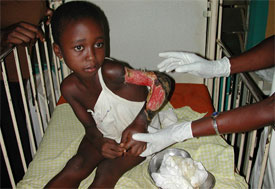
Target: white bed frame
[43,106]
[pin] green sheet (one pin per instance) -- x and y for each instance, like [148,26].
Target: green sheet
[65,133]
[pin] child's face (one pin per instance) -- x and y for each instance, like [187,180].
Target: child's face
[82,46]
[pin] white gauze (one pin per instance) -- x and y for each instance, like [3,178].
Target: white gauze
[177,172]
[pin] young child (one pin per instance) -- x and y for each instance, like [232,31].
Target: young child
[111,100]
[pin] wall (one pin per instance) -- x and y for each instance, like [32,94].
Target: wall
[140,29]
[261,26]
[270,19]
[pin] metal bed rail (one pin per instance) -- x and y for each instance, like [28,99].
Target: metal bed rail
[49,66]
[43,87]
[232,92]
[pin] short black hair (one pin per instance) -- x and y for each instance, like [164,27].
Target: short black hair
[75,10]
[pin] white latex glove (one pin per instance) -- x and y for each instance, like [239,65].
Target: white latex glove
[194,64]
[164,137]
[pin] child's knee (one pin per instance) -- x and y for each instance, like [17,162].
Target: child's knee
[76,165]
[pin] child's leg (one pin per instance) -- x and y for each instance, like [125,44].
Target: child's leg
[78,167]
[110,170]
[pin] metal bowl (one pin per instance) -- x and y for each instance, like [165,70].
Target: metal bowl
[156,161]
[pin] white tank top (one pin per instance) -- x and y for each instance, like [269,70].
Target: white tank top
[113,113]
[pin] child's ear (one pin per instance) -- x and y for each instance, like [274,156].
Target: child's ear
[57,51]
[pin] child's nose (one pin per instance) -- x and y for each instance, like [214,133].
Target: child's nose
[90,54]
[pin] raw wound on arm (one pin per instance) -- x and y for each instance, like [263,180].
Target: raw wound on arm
[159,87]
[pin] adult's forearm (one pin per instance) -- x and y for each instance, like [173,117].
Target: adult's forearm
[246,118]
[259,57]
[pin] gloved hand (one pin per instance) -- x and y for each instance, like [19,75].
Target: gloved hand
[164,137]
[194,64]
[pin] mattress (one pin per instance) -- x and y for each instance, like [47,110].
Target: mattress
[64,134]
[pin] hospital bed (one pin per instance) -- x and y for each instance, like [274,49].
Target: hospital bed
[55,132]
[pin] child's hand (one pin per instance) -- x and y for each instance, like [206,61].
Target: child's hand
[133,147]
[111,149]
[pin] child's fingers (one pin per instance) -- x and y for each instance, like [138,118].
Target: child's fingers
[136,149]
[124,137]
[111,149]
[128,145]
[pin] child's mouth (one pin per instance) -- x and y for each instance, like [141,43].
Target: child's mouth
[89,69]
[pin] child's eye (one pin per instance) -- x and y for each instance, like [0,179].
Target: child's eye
[99,45]
[78,48]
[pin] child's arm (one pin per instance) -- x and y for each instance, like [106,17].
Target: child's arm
[140,124]
[134,83]
[160,86]
[107,147]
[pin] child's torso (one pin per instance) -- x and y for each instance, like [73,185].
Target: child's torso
[111,112]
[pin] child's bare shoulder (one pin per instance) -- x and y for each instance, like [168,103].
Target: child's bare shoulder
[69,86]
[114,70]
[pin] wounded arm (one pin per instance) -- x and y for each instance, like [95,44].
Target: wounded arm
[159,84]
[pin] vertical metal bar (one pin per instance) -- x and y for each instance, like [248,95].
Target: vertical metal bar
[229,94]
[42,82]
[233,95]
[212,32]
[61,68]
[219,85]
[6,158]
[54,5]
[223,105]
[34,90]
[55,63]
[233,138]
[266,152]
[211,38]
[218,47]
[23,94]
[241,151]
[15,126]
[216,93]
[250,158]
[228,98]
[247,148]
[209,84]
[242,135]
[237,104]
[223,92]
[49,70]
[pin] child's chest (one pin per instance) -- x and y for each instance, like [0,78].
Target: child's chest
[89,96]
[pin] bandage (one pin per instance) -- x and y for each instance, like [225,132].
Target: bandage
[159,86]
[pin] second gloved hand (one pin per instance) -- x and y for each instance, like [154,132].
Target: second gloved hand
[194,64]
[164,137]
